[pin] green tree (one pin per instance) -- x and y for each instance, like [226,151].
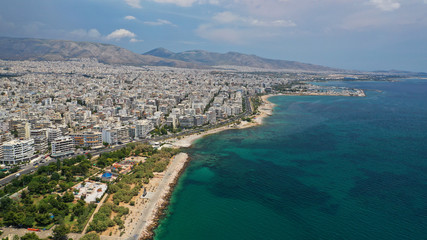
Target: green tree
[60,232]
[58,164]
[55,176]
[90,236]
[63,186]
[43,219]
[30,236]
[29,221]
[68,197]
[163,131]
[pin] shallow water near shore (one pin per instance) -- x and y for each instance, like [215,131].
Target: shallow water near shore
[319,168]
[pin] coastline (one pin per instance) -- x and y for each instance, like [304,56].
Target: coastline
[154,209]
[264,110]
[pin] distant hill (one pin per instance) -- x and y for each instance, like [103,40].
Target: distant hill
[235,59]
[60,50]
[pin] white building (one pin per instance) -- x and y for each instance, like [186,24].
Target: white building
[62,146]
[116,135]
[53,133]
[186,121]
[18,151]
[40,144]
[142,128]
[172,121]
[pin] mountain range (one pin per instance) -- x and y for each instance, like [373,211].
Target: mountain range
[205,58]
[62,50]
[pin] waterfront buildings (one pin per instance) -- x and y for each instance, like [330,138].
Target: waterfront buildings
[94,103]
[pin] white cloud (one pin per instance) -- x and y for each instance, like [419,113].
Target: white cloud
[134,3]
[82,33]
[235,35]
[233,28]
[220,34]
[182,3]
[121,33]
[134,40]
[130,18]
[385,5]
[231,18]
[226,17]
[189,3]
[216,2]
[93,33]
[159,22]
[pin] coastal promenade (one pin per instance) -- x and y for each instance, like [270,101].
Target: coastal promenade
[149,214]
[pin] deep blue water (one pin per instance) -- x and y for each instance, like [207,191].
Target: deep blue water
[319,168]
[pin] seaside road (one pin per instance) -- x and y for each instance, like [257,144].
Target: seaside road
[148,213]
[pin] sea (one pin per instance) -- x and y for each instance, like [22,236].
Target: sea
[321,167]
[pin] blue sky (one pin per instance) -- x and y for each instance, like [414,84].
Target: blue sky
[349,34]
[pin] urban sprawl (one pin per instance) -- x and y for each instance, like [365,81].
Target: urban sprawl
[63,108]
[89,128]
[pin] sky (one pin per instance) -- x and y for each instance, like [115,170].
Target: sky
[349,34]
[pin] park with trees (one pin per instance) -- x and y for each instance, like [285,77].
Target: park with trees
[45,199]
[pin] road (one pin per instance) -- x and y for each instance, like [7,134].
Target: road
[26,169]
[30,167]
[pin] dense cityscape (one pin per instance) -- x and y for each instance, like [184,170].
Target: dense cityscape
[60,106]
[81,129]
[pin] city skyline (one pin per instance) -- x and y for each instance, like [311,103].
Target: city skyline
[358,34]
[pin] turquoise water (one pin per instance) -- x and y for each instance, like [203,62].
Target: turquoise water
[319,168]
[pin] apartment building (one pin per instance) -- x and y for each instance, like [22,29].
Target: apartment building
[87,139]
[62,146]
[142,128]
[17,151]
[116,135]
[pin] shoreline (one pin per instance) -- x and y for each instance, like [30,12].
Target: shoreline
[147,212]
[264,110]
[152,213]
[149,220]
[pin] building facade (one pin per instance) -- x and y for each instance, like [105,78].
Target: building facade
[116,135]
[142,128]
[62,146]
[17,151]
[87,139]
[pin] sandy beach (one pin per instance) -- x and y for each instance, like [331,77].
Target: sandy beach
[265,110]
[145,213]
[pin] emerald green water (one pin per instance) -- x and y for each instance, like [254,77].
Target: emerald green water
[319,168]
